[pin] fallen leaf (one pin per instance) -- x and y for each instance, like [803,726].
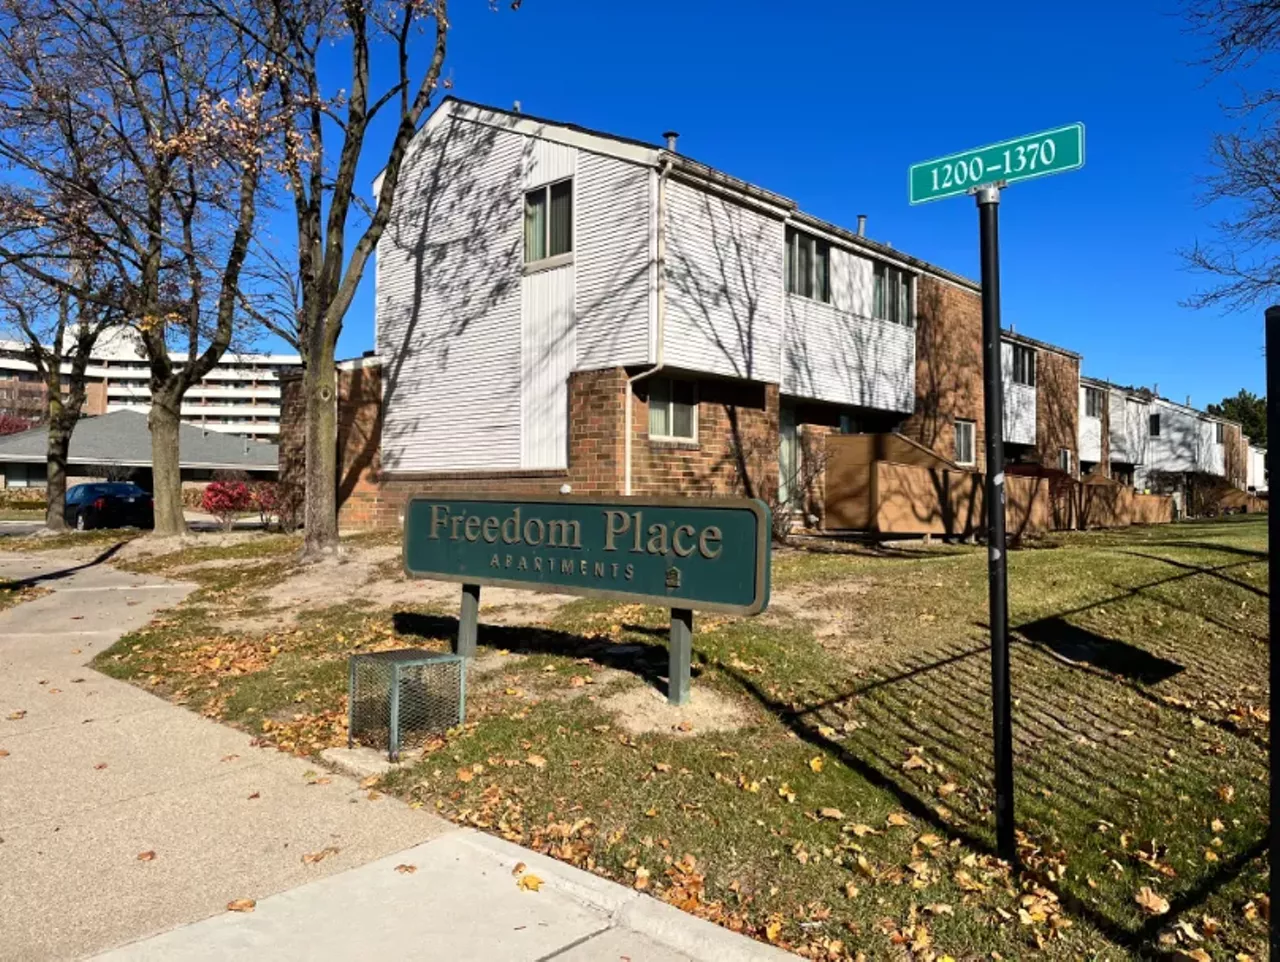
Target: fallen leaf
[1210,855]
[939,908]
[537,761]
[255,795]
[1151,903]
[100,766]
[241,905]
[229,758]
[405,869]
[1226,792]
[850,890]
[370,781]
[914,762]
[146,856]
[860,830]
[772,930]
[661,767]
[1217,826]
[784,791]
[465,774]
[833,813]
[529,883]
[311,858]
[685,726]
[642,878]
[17,714]
[897,820]
[4,753]
[652,812]
[816,763]
[518,868]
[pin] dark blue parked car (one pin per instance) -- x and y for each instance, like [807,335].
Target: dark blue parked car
[109,504]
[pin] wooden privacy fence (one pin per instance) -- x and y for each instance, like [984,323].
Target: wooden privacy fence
[936,497]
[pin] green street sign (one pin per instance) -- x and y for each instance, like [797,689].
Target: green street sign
[705,553]
[1035,155]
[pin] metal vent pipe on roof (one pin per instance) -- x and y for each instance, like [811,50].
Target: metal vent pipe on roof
[671,137]
[862,225]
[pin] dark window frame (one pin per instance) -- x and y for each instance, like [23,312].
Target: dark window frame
[808,276]
[972,433]
[1153,425]
[1093,402]
[1024,365]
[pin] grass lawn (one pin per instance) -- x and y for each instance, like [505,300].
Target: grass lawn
[828,789]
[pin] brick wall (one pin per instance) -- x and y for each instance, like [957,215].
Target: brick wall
[1057,408]
[1235,455]
[737,438]
[948,368]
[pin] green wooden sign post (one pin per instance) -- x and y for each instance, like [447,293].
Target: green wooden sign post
[681,553]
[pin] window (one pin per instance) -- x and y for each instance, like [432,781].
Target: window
[1064,460]
[1024,365]
[808,266]
[1217,432]
[964,442]
[891,296]
[548,221]
[848,424]
[1153,425]
[673,409]
[1092,402]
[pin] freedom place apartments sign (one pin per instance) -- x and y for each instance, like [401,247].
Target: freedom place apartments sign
[711,554]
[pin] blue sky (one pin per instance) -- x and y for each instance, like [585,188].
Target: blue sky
[830,102]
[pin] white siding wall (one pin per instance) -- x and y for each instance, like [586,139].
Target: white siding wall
[1090,440]
[1019,402]
[724,286]
[835,352]
[1181,444]
[614,261]
[1257,468]
[1212,454]
[448,302]
[548,346]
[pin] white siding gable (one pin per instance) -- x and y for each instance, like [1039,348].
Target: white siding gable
[614,261]
[724,286]
[1019,402]
[448,302]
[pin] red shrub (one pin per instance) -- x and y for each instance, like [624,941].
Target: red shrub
[226,499]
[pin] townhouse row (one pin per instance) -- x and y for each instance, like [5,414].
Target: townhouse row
[559,308]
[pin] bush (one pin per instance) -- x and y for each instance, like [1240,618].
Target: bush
[226,499]
[279,502]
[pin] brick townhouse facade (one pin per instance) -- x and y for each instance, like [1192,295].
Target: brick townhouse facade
[559,307]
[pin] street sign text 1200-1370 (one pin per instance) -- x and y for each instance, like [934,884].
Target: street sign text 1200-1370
[1035,155]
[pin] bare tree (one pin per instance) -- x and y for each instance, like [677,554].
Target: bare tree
[1241,262]
[59,334]
[136,132]
[323,185]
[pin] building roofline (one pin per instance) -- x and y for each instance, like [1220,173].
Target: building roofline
[702,175]
[1009,334]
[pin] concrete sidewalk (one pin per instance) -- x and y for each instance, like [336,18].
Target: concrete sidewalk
[98,772]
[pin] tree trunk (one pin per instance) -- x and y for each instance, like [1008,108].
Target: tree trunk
[56,486]
[319,385]
[166,470]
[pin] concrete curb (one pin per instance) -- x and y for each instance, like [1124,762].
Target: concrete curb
[631,910]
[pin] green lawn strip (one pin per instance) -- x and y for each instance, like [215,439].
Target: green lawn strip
[1139,670]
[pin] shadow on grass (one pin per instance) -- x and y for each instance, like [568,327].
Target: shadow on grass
[644,660]
[1078,645]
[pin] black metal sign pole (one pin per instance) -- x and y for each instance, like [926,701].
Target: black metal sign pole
[992,389]
[1273,587]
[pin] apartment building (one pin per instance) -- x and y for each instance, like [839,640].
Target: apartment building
[558,306]
[1149,442]
[240,396]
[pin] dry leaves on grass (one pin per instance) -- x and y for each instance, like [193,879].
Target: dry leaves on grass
[1151,902]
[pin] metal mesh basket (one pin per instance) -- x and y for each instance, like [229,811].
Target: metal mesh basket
[400,698]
